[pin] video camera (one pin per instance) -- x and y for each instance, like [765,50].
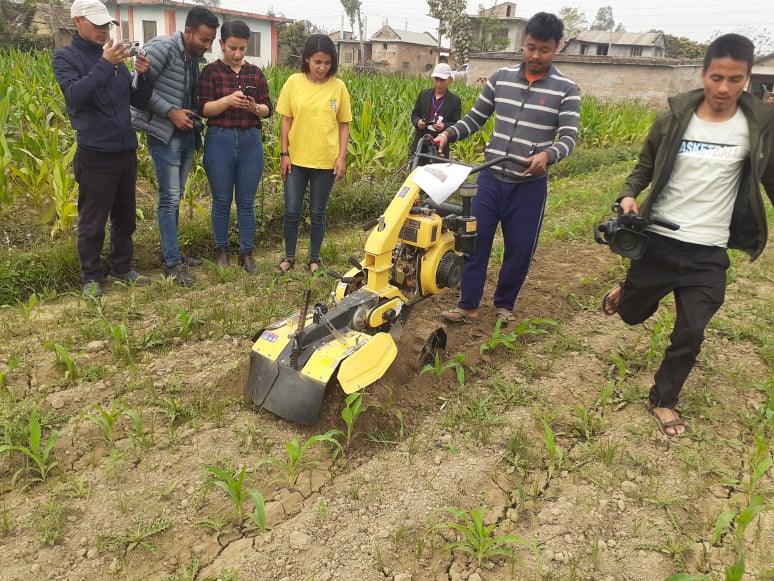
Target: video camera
[624,233]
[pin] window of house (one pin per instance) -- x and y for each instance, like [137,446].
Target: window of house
[601,50]
[125,30]
[636,51]
[405,65]
[254,44]
[507,11]
[148,30]
[384,46]
[584,48]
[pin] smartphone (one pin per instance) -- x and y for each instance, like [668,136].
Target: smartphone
[131,47]
[251,91]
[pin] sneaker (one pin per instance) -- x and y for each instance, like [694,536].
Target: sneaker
[190,260]
[131,277]
[92,289]
[179,273]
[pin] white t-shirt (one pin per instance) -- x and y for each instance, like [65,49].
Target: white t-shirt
[701,191]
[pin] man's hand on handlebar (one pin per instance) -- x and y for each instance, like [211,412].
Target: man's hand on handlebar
[441,140]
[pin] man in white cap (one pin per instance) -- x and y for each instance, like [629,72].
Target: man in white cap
[435,108]
[98,90]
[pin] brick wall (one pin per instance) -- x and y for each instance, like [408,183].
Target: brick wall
[649,80]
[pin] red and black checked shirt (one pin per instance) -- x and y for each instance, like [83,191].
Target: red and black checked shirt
[217,80]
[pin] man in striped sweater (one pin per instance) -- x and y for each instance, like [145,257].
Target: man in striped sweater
[536,111]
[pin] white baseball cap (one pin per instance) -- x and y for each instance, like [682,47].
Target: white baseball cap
[92,10]
[441,71]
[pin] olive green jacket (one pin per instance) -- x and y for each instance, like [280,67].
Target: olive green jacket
[748,221]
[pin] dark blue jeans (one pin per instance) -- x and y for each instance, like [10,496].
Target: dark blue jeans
[697,276]
[518,208]
[172,162]
[320,183]
[233,160]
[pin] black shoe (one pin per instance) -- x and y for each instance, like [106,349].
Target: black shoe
[179,273]
[131,277]
[190,260]
[246,262]
[221,257]
[92,289]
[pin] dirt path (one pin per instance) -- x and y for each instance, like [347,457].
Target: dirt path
[623,503]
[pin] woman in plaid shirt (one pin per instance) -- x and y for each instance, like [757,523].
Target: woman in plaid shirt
[233,95]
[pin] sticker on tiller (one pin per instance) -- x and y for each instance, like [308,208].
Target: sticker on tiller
[269,336]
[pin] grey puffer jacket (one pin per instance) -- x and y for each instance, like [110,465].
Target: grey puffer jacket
[174,74]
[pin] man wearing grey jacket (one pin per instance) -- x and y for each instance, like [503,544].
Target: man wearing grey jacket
[171,125]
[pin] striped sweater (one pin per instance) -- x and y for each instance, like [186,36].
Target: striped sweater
[528,118]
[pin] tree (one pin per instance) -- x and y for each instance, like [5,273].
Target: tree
[291,39]
[604,19]
[352,8]
[491,36]
[574,21]
[454,24]
[682,47]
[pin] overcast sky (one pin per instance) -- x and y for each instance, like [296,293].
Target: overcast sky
[694,19]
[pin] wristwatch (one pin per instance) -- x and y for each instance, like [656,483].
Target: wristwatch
[284,154]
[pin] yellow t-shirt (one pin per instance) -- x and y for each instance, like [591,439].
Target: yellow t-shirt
[316,110]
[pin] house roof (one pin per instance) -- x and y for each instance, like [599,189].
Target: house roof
[626,38]
[387,32]
[187,6]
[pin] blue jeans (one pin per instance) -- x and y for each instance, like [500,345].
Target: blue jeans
[518,208]
[320,185]
[172,162]
[233,160]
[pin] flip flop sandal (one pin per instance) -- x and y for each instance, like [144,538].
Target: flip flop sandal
[610,308]
[662,425]
[291,262]
[456,316]
[505,316]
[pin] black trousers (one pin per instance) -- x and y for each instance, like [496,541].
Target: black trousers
[697,276]
[106,189]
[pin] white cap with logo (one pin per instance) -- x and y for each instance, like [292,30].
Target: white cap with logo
[441,71]
[92,10]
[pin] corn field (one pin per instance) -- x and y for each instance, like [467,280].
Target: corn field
[37,143]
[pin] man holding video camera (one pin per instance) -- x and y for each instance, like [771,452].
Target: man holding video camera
[172,127]
[98,89]
[704,159]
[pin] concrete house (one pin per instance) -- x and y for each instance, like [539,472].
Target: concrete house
[404,51]
[349,49]
[502,17]
[617,44]
[141,20]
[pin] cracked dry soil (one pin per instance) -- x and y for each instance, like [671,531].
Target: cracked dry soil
[628,504]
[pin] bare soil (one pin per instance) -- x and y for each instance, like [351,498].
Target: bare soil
[646,512]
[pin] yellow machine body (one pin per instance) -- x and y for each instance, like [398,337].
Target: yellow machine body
[408,256]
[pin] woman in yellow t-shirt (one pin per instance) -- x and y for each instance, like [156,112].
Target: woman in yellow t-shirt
[314,132]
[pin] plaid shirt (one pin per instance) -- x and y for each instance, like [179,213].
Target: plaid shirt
[217,80]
